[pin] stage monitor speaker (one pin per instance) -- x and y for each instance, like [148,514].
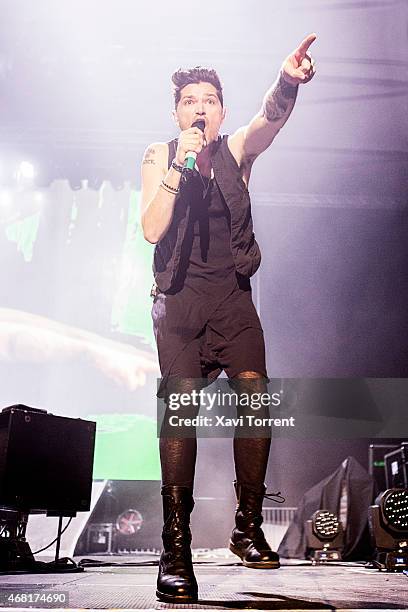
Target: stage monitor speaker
[127,517]
[46,461]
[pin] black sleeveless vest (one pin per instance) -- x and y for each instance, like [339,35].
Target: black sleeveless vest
[244,248]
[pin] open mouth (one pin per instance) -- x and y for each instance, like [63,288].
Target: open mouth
[197,119]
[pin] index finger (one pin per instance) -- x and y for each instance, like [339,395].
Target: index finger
[305,44]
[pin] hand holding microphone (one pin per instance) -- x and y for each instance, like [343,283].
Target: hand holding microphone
[191,155]
[190,144]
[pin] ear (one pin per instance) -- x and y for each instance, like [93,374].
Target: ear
[224,112]
[175,118]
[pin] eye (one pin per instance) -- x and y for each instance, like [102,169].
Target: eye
[211,101]
[188,101]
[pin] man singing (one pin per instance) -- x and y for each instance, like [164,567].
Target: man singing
[203,314]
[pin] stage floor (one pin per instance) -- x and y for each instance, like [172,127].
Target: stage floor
[223,584]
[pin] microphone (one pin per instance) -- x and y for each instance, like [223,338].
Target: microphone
[191,156]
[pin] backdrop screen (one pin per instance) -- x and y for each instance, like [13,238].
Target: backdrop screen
[75,327]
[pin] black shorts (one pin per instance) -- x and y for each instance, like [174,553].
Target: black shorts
[231,340]
[210,353]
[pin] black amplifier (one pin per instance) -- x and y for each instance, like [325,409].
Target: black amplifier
[46,461]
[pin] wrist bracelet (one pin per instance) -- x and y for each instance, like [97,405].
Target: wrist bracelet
[176,166]
[169,188]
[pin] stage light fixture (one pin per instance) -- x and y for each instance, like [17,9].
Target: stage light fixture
[24,174]
[95,181]
[395,509]
[76,175]
[25,171]
[324,534]
[75,183]
[388,522]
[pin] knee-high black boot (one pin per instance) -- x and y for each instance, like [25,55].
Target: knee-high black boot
[247,538]
[176,581]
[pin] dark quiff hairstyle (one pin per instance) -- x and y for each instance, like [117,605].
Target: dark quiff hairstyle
[198,74]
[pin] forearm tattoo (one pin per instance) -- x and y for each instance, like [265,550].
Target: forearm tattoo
[149,156]
[278,99]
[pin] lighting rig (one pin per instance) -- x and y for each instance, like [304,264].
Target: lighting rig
[388,522]
[324,534]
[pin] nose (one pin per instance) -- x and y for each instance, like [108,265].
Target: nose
[200,108]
